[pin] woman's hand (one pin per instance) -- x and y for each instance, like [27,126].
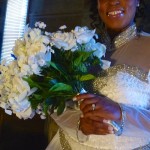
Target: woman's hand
[104,107]
[96,111]
[88,126]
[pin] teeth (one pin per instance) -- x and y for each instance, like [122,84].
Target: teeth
[114,12]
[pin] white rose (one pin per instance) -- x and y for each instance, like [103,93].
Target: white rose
[83,34]
[64,40]
[100,49]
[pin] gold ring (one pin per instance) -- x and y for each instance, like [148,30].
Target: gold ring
[93,106]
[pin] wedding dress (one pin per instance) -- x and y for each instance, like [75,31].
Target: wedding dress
[126,85]
[121,83]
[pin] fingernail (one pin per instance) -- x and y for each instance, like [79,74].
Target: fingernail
[111,132]
[82,116]
[105,121]
[74,99]
[110,128]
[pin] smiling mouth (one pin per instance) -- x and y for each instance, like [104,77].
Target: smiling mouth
[115,13]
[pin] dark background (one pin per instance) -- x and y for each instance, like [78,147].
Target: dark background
[59,12]
[18,134]
[69,12]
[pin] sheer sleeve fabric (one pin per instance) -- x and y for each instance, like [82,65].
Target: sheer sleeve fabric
[137,122]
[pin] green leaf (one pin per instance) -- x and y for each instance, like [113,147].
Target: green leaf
[35,99]
[82,68]
[82,56]
[61,107]
[57,67]
[78,60]
[96,61]
[38,97]
[61,87]
[87,77]
[49,101]
[32,83]
[86,55]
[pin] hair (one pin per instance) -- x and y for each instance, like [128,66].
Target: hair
[98,24]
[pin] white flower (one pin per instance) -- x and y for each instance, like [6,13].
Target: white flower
[40,25]
[28,113]
[100,49]
[47,33]
[63,27]
[105,64]
[25,70]
[45,40]
[83,34]
[64,40]
[36,69]
[31,53]
[19,49]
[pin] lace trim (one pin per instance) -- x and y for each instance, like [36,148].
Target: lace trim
[134,71]
[64,143]
[66,146]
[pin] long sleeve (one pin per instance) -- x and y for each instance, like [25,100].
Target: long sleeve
[137,123]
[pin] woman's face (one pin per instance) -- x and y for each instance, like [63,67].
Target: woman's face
[117,14]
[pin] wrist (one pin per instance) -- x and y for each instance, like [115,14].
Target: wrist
[121,121]
[118,125]
[117,115]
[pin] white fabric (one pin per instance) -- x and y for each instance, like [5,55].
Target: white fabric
[135,95]
[55,143]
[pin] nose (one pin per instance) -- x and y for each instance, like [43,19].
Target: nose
[114,2]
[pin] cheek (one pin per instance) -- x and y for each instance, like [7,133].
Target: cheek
[131,9]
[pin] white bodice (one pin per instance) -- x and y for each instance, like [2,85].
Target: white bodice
[125,88]
[119,85]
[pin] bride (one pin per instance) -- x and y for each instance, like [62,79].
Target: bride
[118,116]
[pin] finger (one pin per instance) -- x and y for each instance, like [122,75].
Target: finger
[83,96]
[103,129]
[94,118]
[95,113]
[99,112]
[89,102]
[88,127]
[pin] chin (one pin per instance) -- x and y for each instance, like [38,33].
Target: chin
[117,27]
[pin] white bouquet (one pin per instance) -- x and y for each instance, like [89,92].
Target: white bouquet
[48,69]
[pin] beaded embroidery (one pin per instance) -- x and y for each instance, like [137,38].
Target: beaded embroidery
[125,36]
[134,71]
[66,146]
[64,143]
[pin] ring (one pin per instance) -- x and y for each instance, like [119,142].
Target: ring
[93,107]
